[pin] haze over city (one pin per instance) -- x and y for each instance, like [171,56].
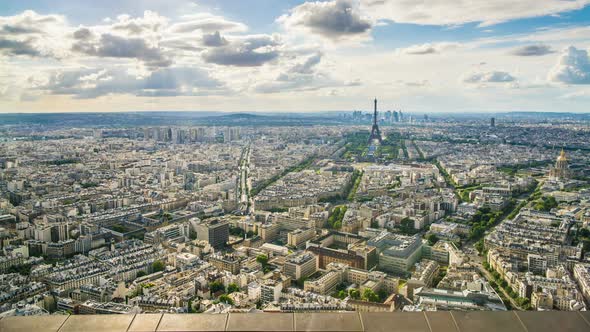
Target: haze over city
[296,56]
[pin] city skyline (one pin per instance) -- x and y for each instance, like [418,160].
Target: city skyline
[227,215]
[294,56]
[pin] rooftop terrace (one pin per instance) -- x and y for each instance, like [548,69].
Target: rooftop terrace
[481,321]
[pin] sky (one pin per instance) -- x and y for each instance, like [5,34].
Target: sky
[425,56]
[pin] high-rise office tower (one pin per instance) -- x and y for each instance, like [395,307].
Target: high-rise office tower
[201,134]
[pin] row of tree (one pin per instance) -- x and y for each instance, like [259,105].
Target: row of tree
[367,295]
[522,302]
[545,203]
[335,219]
[237,231]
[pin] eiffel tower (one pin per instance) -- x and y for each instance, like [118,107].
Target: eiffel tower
[375,132]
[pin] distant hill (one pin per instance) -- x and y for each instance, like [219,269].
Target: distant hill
[545,115]
[208,118]
[240,116]
[164,118]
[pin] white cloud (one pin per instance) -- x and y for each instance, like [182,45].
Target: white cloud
[29,22]
[138,52]
[214,39]
[572,67]
[16,47]
[32,34]
[416,84]
[151,22]
[119,47]
[92,83]
[582,95]
[298,69]
[489,77]
[248,51]
[454,12]
[207,23]
[428,48]
[532,50]
[336,20]
[309,64]
[302,76]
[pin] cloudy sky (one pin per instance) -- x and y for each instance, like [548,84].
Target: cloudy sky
[286,55]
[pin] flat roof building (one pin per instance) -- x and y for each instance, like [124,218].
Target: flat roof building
[397,253]
[300,266]
[215,231]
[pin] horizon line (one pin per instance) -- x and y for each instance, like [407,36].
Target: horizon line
[483,112]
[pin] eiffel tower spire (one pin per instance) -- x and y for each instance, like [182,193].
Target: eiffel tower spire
[375,132]
[375,113]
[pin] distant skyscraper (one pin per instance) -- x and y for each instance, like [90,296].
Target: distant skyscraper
[231,134]
[235,133]
[395,116]
[146,134]
[168,135]
[375,132]
[159,136]
[357,116]
[193,134]
[492,122]
[201,134]
[180,136]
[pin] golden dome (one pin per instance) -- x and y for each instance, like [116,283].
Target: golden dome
[562,156]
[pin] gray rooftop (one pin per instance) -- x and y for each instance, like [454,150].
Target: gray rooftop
[443,321]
